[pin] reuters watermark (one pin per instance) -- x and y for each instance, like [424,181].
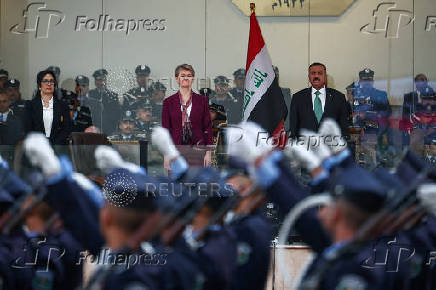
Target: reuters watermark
[201,189]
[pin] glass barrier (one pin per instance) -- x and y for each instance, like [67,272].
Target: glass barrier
[114,63]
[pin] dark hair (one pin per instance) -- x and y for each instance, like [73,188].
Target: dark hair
[318,64]
[420,76]
[184,66]
[42,74]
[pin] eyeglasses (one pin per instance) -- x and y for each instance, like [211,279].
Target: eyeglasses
[48,82]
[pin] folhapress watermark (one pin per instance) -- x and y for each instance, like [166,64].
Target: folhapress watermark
[388,20]
[107,23]
[127,260]
[31,258]
[393,255]
[38,19]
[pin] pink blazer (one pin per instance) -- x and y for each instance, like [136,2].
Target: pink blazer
[200,119]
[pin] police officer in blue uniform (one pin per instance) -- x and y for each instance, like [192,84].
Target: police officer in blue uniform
[253,235]
[7,277]
[120,217]
[354,202]
[239,81]
[157,95]
[232,105]
[4,75]
[413,101]
[250,229]
[142,90]
[215,243]
[12,88]
[82,89]
[416,104]
[370,106]
[126,129]
[80,114]
[42,254]
[103,103]
[144,118]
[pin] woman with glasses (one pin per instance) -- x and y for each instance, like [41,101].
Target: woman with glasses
[46,113]
[186,115]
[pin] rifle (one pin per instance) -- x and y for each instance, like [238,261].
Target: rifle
[398,204]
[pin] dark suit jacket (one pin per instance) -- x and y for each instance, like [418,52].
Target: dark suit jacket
[411,103]
[61,126]
[11,131]
[200,119]
[303,116]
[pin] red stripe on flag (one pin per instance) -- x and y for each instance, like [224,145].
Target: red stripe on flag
[279,136]
[255,41]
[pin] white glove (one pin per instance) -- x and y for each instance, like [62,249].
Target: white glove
[427,196]
[331,129]
[3,163]
[162,139]
[40,153]
[259,135]
[108,158]
[316,144]
[300,153]
[247,141]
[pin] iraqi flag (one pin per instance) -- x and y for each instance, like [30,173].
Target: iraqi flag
[263,98]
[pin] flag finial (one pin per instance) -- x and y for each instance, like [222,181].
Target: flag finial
[252,7]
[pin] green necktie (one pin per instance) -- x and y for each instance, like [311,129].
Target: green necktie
[318,106]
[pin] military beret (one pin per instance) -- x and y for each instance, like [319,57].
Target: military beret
[82,80]
[366,74]
[124,188]
[4,73]
[221,80]
[12,83]
[55,69]
[360,188]
[142,70]
[239,73]
[100,74]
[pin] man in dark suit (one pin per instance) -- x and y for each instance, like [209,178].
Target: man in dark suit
[311,105]
[103,103]
[11,128]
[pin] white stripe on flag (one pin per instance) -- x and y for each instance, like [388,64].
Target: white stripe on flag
[259,78]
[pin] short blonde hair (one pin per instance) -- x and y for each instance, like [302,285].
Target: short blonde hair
[184,66]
